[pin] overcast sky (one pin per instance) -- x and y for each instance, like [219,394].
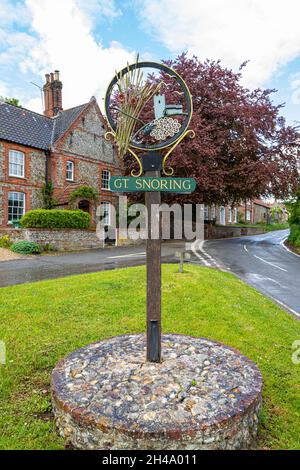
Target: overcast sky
[88,39]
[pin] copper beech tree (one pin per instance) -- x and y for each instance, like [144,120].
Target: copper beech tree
[243,147]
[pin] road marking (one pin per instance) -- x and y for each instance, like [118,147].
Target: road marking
[286,306]
[276,282]
[200,253]
[271,264]
[267,262]
[286,248]
[259,278]
[127,256]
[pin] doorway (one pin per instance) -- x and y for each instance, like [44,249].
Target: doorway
[84,206]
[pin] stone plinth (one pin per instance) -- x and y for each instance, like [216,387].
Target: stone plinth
[204,395]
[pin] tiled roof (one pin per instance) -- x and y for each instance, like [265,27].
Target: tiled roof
[26,127]
[259,202]
[64,120]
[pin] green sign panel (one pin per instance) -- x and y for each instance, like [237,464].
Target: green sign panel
[148,183]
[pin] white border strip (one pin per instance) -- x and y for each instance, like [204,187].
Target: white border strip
[286,248]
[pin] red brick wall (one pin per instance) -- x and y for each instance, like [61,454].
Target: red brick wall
[90,153]
[31,184]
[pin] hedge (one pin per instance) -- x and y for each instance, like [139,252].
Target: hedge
[26,248]
[56,219]
[294,237]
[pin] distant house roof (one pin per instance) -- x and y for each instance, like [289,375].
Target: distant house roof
[26,127]
[259,202]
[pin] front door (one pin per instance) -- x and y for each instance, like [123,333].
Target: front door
[84,206]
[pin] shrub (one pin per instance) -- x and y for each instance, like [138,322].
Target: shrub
[294,237]
[83,192]
[294,218]
[47,193]
[56,219]
[26,248]
[47,247]
[5,241]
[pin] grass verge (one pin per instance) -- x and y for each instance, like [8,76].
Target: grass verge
[44,321]
[265,227]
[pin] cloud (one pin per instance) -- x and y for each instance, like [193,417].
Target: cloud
[65,42]
[16,45]
[103,8]
[3,90]
[295,87]
[13,13]
[266,32]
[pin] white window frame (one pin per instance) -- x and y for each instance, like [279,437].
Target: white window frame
[18,193]
[229,215]
[106,220]
[68,170]
[222,213]
[205,215]
[248,215]
[235,215]
[105,179]
[13,157]
[213,212]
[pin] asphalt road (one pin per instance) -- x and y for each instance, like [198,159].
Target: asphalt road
[261,261]
[38,268]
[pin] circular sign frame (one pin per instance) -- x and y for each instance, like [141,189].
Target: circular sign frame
[184,88]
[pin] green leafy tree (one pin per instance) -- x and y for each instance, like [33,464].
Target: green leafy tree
[294,219]
[276,213]
[13,101]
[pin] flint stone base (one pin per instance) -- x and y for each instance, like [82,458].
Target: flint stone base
[204,395]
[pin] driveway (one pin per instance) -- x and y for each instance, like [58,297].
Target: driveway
[260,260]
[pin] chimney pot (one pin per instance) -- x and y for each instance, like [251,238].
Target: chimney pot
[52,94]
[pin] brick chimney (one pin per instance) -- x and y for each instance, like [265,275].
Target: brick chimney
[52,94]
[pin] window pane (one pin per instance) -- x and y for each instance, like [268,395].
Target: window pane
[105,179]
[105,206]
[16,163]
[70,170]
[16,205]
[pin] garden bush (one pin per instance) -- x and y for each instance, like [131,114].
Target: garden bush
[294,237]
[294,220]
[56,219]
[84,192]
[5,241]
[26,248]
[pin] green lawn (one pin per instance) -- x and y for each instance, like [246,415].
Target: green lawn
[44,321]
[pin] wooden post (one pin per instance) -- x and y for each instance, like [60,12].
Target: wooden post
[153,257]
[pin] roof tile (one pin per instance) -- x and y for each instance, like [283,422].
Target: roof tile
[26,127]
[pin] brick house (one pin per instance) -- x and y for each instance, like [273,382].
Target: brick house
[66,147]
[251,212]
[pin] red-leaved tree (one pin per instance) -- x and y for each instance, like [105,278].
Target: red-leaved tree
[243,147]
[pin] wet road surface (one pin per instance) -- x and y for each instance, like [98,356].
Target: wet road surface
[37,268]
[263,262]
